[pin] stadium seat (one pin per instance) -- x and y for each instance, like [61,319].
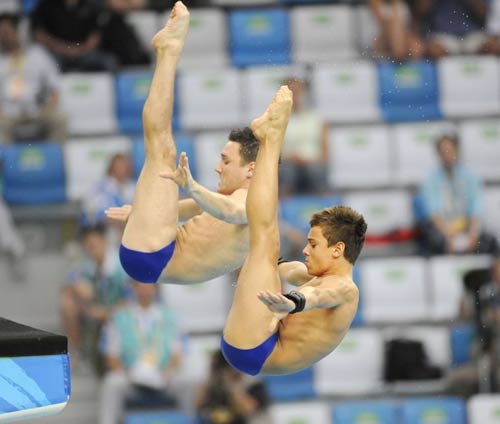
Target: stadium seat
[208,145]
[34,174]
[463,91]
[260,85]
[336,375]
[346,91]
[195,367]
[210,99]
[409,92]
[491,210]
[322,33]
[183,142]
[27,6]
[292,387]
[145,24]
[394,289]
[206,43]
[484,409]
[446,285]
[89,101]
[199,307]
[353,151]
[297,210]
[480,144]
[132,88]
[388,212]
[259,37]
[303,413]
[414,146]
[156,417]
[376,412]
[87,159]
[461,338]
[442,410]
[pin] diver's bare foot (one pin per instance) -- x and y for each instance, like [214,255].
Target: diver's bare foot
[275,118]
[172,36]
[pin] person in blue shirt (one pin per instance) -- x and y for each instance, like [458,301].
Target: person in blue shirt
[452,203]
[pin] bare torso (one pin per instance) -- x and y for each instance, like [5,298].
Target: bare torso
[307,337]
[206,247]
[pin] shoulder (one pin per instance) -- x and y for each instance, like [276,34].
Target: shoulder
[344,286]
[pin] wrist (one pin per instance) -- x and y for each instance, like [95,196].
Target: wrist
[298,299]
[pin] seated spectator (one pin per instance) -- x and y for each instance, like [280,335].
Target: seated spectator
[118,36]
[451,198]
[29,89]
[396,38]
[230,397]
[453,26]
[70,30]
[116,188]
[11,244]
[142,347]
[493,26]
[95,285]
[305,150]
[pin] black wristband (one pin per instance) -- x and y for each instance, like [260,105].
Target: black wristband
[281,260]
[298,298]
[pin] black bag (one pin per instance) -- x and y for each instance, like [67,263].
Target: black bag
[406,360]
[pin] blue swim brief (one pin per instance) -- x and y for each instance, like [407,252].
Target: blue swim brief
[145,267]
[249,361]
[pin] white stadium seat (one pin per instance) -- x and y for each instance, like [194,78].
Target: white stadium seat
[353,153]
[416,154]
[210,99]
[480,145]
[346,91]
[87,160]
[146,24]
[355,367]
[469,86]
[484,409]
[303,413]
[394,289]
[322,33]
[446,285]
[89,101]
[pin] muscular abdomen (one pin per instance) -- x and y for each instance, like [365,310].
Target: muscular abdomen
[206,248]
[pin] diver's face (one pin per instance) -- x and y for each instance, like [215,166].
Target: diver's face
[318,254]
[233,173]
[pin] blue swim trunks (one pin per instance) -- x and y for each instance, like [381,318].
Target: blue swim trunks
[249,361]
[145,267]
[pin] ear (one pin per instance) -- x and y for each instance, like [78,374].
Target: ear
[250,169]
[338,249]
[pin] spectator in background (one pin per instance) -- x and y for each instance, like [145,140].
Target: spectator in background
[70,30]
[142,347]
[11,244]
[95,285]
[452,205]
[453,26]
[116,188]
[396,39]
[29,89]
[229,397]
[118,37]
[305,149]
[493,26]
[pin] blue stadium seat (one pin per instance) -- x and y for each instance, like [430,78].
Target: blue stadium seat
[444,410]
[461,343]
[373,412]
[306,1]
[157,417]
[291,387]
[259,37]
[132,88]
[409,92]
[297,210]
[34,174]
[27,6]
[183,142]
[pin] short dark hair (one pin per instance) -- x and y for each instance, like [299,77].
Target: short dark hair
[341,223]
[249,145]
[13,18]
